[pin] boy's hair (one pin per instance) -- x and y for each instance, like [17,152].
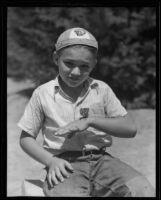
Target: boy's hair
[89,48]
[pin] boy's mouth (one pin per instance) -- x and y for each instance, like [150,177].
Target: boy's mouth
[74,79]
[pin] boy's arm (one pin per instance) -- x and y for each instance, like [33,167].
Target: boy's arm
[57,168]
[122,127]
[29,144]
[119,126]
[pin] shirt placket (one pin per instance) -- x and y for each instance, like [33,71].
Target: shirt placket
[74,111]
[76,114]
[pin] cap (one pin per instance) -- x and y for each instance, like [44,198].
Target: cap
[76,36]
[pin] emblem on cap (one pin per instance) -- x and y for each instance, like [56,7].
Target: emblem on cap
[80,32]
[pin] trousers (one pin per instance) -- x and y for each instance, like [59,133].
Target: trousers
[100,175]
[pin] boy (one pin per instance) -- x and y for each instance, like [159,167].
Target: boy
[78,115]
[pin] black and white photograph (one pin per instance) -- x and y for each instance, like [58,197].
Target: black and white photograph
[81,101]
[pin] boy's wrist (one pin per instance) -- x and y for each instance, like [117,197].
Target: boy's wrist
[90,121]
[49,161]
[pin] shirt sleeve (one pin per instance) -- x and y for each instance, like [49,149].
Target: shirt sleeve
[112,105]
[33,116]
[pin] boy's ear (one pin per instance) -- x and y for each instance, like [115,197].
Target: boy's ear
[55,57]
[95,63]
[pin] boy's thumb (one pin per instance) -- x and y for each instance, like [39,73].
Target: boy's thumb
[68,165]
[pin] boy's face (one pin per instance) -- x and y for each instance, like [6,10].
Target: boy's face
[75,65]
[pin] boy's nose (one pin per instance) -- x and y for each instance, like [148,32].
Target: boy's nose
[75,71]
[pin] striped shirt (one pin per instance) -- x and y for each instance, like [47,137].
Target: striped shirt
[50,108]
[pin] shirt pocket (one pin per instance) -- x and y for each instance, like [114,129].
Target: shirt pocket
[96,110]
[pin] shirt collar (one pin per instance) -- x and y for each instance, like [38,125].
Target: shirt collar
[89,83]
[57,86]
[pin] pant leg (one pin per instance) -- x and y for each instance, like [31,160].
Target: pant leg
[77,185]
[114,178]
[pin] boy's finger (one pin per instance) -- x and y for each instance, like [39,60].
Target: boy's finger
[68,166]
[62,132]
[59,175]
[71,135]
[49,180]
[53,178]
[64,172]
[73,128]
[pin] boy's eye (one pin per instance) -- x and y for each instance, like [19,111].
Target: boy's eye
[84,66]
[69,64]
[72,65]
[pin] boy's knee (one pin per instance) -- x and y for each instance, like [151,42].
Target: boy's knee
[140,187]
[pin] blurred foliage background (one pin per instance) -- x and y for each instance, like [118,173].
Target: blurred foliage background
[127,46]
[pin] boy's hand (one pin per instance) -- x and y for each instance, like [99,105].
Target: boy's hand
[73,127]
[58,170]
